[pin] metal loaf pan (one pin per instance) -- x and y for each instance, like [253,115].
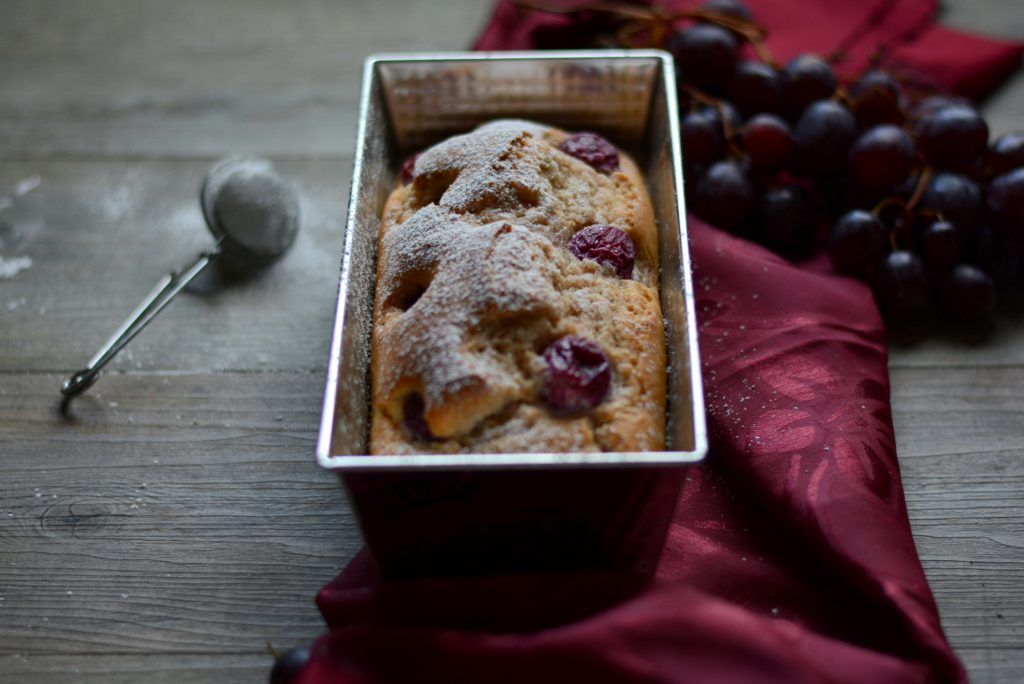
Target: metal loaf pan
[427,514]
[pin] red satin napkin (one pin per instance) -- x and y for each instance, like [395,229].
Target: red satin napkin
[790,558]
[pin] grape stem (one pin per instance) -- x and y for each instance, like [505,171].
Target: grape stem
[650,26]
[894,236]
[887,202]
[700,95]
[922,183]
[727,130]
[907,211]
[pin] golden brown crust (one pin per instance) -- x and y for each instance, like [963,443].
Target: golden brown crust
[475,279]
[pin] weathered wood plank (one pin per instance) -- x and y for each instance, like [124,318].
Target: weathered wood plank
[190,524]
[189,516]
[960,436]
[152,668]
[992,666]
[123,78]
[958,412]
[100,234]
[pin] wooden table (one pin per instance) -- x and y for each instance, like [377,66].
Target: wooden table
[176,522]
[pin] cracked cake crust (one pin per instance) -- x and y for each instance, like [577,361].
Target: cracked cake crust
[475,279]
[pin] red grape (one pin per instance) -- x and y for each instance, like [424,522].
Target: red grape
[731,8]
[902,288]
[785,220]
[857,241]
[1006,201]
[882,157]
[934,103]
[755,87]
[1006,153]
[705,55]
[805,79]
[823,136]
[724,196]
[877,100]
[954,137]
[732,115]
[768,141]
[957,198]
[703,140]
[968,294]
[692,173]
[995,252]
[939,246]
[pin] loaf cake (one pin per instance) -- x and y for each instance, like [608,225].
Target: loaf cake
[516,306]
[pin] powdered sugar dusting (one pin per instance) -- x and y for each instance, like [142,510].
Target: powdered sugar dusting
[494,270]
[475,278]
[513,171]
[27,185]
[489,173]
[257,208]
[12,266]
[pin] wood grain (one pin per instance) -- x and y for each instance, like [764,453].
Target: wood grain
[960,437]
[197,78]
[193,520]
[151,668]
[101,233]
[176,522]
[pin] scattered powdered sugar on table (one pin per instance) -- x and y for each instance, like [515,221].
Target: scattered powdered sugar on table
[12,266]
[27,185]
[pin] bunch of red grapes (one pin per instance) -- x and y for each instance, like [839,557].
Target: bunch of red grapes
[902,188]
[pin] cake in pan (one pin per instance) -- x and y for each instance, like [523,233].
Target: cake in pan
[516,306]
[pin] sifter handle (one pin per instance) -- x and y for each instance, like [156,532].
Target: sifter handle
[161,295]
